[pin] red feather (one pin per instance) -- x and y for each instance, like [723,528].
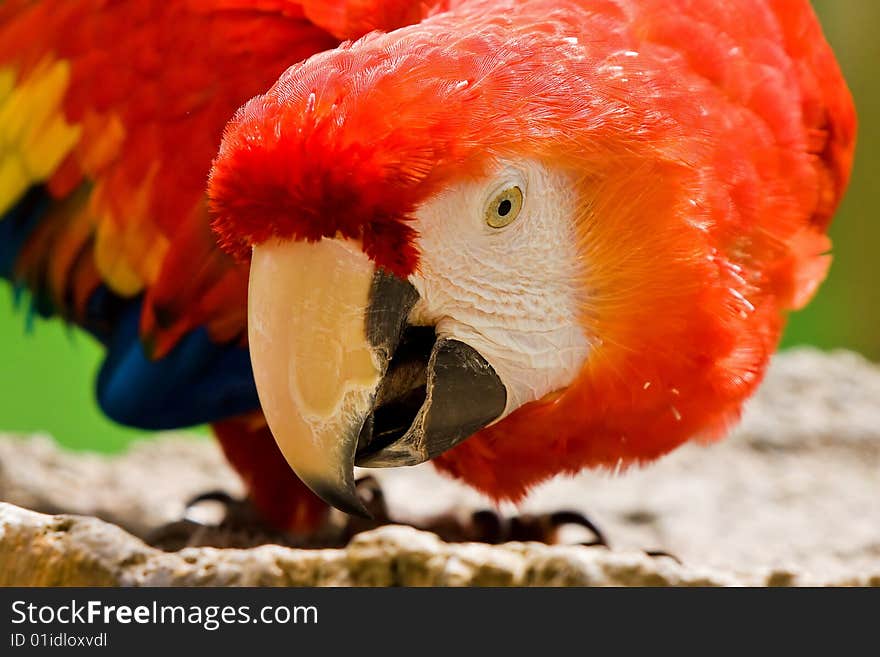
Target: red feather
[713,141]
[151,85]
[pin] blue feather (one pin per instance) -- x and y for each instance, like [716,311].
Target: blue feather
[199,381]
[18,224]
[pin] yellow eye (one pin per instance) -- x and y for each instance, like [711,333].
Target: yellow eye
[504,208]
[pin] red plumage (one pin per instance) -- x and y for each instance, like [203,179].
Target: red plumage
[712,142]
[150,85]
[164,78]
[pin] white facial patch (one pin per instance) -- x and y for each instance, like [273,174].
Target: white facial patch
[514,293]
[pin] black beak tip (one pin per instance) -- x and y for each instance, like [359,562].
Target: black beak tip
[347,501]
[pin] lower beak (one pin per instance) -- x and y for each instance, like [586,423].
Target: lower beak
[342,378]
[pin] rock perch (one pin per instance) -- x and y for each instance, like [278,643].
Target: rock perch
[792,497]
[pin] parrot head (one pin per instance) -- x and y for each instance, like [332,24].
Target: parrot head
[482,249]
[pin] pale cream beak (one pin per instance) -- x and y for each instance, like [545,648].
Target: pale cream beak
[315,370]
[343,379]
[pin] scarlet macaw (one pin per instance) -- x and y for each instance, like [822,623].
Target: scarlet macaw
[516,238]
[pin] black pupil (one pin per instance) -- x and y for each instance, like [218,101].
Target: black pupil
[504,208]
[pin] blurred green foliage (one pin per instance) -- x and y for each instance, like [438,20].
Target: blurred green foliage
[47,376]
[48,382]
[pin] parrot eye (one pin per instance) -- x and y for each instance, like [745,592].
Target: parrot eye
[504,207]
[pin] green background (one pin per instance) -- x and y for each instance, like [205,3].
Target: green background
[47,374]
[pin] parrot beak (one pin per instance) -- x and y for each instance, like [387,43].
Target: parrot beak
[343,380]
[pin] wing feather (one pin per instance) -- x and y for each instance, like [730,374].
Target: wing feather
[110,115]
[125,103]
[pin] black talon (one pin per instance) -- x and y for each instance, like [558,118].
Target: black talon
[562,518]
[488,526]
[663,553]
[211,496]
[237,513]
[373,498]
[238,525]
[371,494]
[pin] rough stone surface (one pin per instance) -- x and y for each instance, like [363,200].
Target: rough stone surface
[37,549]
[791,497]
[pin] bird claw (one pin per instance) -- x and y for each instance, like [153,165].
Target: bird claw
[236,523]
[484,526]
[657,554]
[216,519]
[372,496]
[491,527]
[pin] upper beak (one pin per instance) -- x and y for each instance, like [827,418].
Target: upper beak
[343,379]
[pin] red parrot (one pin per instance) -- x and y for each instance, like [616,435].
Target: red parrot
[516,238]
[523,238]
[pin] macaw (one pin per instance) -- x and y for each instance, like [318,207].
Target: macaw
[515,238]
[523,238]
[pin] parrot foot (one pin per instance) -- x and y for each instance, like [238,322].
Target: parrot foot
[488,526]
[491,527]
[216,519]
[484,526]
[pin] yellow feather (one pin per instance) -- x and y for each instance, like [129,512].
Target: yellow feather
[128,255]
[14,180]
[44,149]
[7,82]
[35,137]
[114,268]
